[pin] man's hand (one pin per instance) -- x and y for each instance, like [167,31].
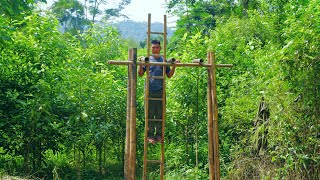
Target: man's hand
[141,71]
[173,69]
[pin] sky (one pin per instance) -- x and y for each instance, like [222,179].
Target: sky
[138,10]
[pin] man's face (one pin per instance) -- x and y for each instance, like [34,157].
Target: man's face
[156,48]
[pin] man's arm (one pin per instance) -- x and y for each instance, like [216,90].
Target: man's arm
[172,70]
[141,71]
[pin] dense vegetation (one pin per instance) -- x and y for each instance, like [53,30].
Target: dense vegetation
[62,107]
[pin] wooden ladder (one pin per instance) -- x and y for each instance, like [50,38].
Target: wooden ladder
[160,161]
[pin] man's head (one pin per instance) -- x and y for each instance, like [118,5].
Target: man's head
[156,48]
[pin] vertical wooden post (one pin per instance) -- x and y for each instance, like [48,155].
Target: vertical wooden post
[146,104]
[148,35]
[163,122]
[164,38]
[215,119]
[164,99]
[146,126]
[210,120]
[127,143]
[133,107]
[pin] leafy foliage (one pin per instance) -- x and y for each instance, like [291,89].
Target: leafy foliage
[16,9]
[47,95]
[269,59]
[261,61]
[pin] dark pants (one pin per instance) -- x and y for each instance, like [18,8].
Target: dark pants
[155,112]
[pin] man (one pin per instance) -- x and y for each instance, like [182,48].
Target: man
[155,91]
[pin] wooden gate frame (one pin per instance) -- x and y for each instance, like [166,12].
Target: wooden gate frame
[212,104]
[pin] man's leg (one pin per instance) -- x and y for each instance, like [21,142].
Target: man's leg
[158,115]
[151,115]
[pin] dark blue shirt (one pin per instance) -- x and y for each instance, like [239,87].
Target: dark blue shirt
[156,85]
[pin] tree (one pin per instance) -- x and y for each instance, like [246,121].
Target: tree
[95,10]
[28,125]
[57,96]
[194,16]
[70,14]
[17,9]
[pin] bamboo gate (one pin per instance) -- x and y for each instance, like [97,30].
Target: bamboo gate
[213,136]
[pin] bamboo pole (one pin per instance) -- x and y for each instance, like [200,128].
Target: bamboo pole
[210,122]
[163,123]
[115,62]
[148,35]
[164,38]
[146,102]
[156,33]
[127,143]
[163,96]
[146,110]
[133,144]
[215,120]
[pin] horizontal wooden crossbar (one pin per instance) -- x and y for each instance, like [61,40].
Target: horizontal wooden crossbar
[114,62]
[155,99]
[154,161]
[156,33]
[155,120]
[156,77]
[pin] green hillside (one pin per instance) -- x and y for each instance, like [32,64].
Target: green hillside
[137,30]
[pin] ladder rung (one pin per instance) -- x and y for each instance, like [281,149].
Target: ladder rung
[156,33]
[155,120]
[154,161]
[157,99]
[156,77]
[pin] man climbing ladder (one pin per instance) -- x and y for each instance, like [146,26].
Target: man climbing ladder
[155,107]
[155,96]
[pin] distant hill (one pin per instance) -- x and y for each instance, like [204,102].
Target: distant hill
[138,30]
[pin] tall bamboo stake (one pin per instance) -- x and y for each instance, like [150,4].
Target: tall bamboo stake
[133,107]
[210,121]
[127,143]
[215,119]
